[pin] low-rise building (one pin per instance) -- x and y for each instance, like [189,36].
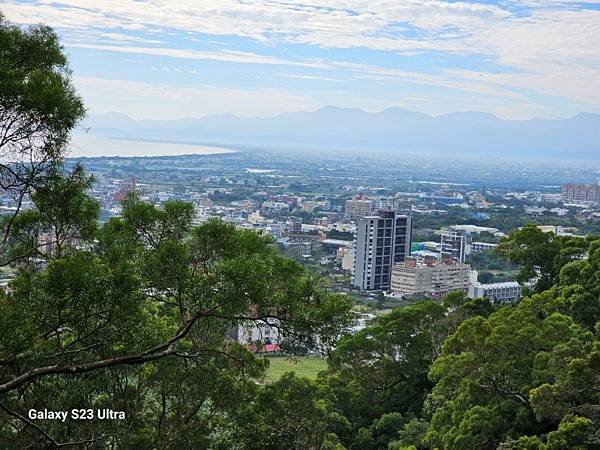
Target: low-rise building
[257,332]
[505,292]
[477,247]
[430,277]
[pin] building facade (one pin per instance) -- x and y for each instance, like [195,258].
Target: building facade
[358,207]
[430,277]
[497,292]
[580,193]
[454,244]
[381,242]
[478,247]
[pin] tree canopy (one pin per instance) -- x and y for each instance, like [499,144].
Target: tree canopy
[38,108]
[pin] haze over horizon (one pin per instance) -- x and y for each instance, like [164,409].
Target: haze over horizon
[517,59]
[332,107]
[395,131]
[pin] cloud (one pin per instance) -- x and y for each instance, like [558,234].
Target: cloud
[309,77]
[541,47]
[517,40]
[331,23]
[163,101]
[223,56]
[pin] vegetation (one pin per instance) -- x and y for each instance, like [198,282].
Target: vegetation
[302,366]
[133,315]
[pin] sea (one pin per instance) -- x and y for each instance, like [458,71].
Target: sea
[89,146]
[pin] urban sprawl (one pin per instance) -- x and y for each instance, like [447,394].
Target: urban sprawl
[385,234]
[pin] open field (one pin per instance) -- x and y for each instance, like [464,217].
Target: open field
[302,366]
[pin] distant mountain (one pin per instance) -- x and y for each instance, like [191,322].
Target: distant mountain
[394,129]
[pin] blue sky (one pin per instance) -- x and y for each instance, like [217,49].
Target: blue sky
[168,59]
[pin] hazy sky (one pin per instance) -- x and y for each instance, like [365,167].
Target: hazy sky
[189,58]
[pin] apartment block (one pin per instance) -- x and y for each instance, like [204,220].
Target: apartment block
[430,277]
[381,241]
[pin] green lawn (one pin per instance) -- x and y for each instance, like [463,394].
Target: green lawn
[304,367]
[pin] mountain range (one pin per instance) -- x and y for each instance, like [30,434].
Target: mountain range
[395,130]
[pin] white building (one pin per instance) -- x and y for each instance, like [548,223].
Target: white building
[505,292]
[257,333]
[477,247]
[430,277]
[346,256]
[455,244]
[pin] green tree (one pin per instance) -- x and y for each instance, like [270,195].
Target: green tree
[485,277]
[518,373]
[291,413]
[63,215]
[150,287]
[378,376]
[540,255]
[38,108]
[579,286]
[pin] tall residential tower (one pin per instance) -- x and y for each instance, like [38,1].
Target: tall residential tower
[381,241]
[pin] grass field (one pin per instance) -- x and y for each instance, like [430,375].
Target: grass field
[303,367]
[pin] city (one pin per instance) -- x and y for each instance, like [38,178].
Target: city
[375,232]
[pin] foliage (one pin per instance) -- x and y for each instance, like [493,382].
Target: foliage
[308,367]
[541,255]
[499,377]
[379,375]
[146,302]
[38,108]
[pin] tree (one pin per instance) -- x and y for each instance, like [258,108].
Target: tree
[517,374]
[578,287]
[38,109]
[541,255]
[290,413]
[378,376]
[485,277]
[134,315]
[383,368]
[63,215]
[150,287]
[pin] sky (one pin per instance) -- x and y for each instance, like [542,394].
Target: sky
[169,59]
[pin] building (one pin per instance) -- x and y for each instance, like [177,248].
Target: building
[580,193]
[358,207]
[506,292]
[259,336]
[558,230]
[345,256]
[430,277]
[381,241]
[309,206]
[455,243]
[295,225]
[478,247]
[275,206]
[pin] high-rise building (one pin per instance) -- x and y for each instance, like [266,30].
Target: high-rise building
[359,206]
[581,193]
[455,244]
[381,241]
